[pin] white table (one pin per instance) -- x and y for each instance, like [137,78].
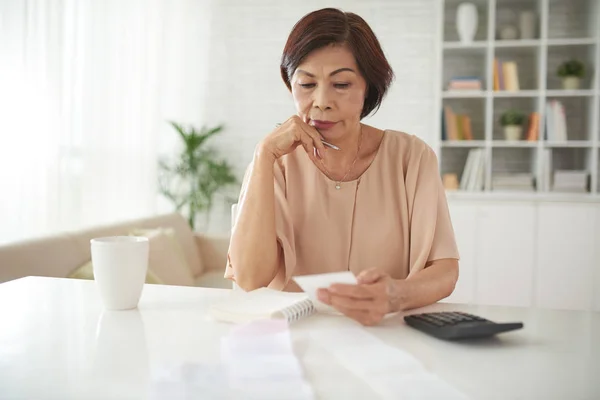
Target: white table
[56,343]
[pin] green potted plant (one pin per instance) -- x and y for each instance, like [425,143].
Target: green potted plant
[512,121]
[192,178]
[571,72]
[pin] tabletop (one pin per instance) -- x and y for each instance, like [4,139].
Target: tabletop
[56,342]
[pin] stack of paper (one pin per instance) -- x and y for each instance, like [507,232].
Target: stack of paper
[512,182]
[570,181]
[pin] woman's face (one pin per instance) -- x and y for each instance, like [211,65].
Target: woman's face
[329,91]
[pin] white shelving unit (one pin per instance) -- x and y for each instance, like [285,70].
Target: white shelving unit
[565,29]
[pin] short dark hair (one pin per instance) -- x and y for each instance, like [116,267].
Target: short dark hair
[332,26]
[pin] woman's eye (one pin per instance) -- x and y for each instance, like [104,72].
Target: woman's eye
[341,85]
[307,85]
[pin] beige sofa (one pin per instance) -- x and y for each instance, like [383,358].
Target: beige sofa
[60,255]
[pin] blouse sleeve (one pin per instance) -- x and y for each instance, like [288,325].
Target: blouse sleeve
[431,232]
[283,227]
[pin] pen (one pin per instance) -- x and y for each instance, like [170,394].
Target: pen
[330,145]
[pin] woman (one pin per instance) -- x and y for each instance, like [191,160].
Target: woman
[372,203]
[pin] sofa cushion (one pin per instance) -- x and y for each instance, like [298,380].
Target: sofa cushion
[86,271]
[176,221]
[214,252]
[166,258]
[54,256]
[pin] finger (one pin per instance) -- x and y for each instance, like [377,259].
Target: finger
[351,303]
[355,291]
[324,296]
[318,154]
[363,317]
[308,146]
[370,275]
[315,136]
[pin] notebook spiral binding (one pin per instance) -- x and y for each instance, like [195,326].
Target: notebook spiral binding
[299,310]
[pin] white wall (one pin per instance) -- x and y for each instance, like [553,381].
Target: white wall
[244,89]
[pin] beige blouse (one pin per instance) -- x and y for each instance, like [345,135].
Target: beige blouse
[393,217]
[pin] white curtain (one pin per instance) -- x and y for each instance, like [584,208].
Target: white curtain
[86,87]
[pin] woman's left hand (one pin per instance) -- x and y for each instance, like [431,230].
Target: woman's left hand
[375,295]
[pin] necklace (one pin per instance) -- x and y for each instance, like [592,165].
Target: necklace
[338,184]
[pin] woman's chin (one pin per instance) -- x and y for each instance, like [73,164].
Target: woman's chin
[332,135]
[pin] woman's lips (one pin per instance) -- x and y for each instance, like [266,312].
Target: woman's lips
[322,125]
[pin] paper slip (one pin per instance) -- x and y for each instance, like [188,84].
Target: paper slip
[189,381]
[261,363]
[391,372]
[257,363]
[310,284]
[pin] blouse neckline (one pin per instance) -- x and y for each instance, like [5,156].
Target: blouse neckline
[358,178]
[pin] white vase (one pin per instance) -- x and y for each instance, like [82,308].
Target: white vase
[466,22]
[513,132]
[571,83]
[527,24]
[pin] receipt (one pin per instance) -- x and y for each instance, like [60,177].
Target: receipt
[310,284]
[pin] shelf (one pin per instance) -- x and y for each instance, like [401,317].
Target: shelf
[571,42]
[559,54]
[515,144]
[569,93]
[569,144]
[463,143]
[462,94]
[493,143]
[518,93]
[476,45]
[564,30]
[572,19]
[517,43]
[533,93]
[522,196]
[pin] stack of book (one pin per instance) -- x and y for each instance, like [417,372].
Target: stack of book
[571,181]
[465,83]
[473,176]
[506,76]
[556,122]
[455,126]
[522,182]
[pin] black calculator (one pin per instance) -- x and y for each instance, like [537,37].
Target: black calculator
[451,325]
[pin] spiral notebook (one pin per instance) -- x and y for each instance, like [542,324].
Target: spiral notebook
[263,303]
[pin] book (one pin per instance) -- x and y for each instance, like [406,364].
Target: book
[556,122]
[465,83]
[506,76]
[533,127]
[455,126]
[459,127]
[511,77]
[266,303]
[496,75]
[473,176]
[513,181]
[467,130]
[263,303]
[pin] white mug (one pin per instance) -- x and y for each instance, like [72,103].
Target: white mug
[120,264]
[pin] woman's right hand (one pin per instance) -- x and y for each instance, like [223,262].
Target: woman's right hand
[289,135]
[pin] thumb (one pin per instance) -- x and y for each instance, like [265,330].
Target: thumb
[370,276]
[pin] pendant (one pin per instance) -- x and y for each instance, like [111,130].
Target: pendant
[338,186]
